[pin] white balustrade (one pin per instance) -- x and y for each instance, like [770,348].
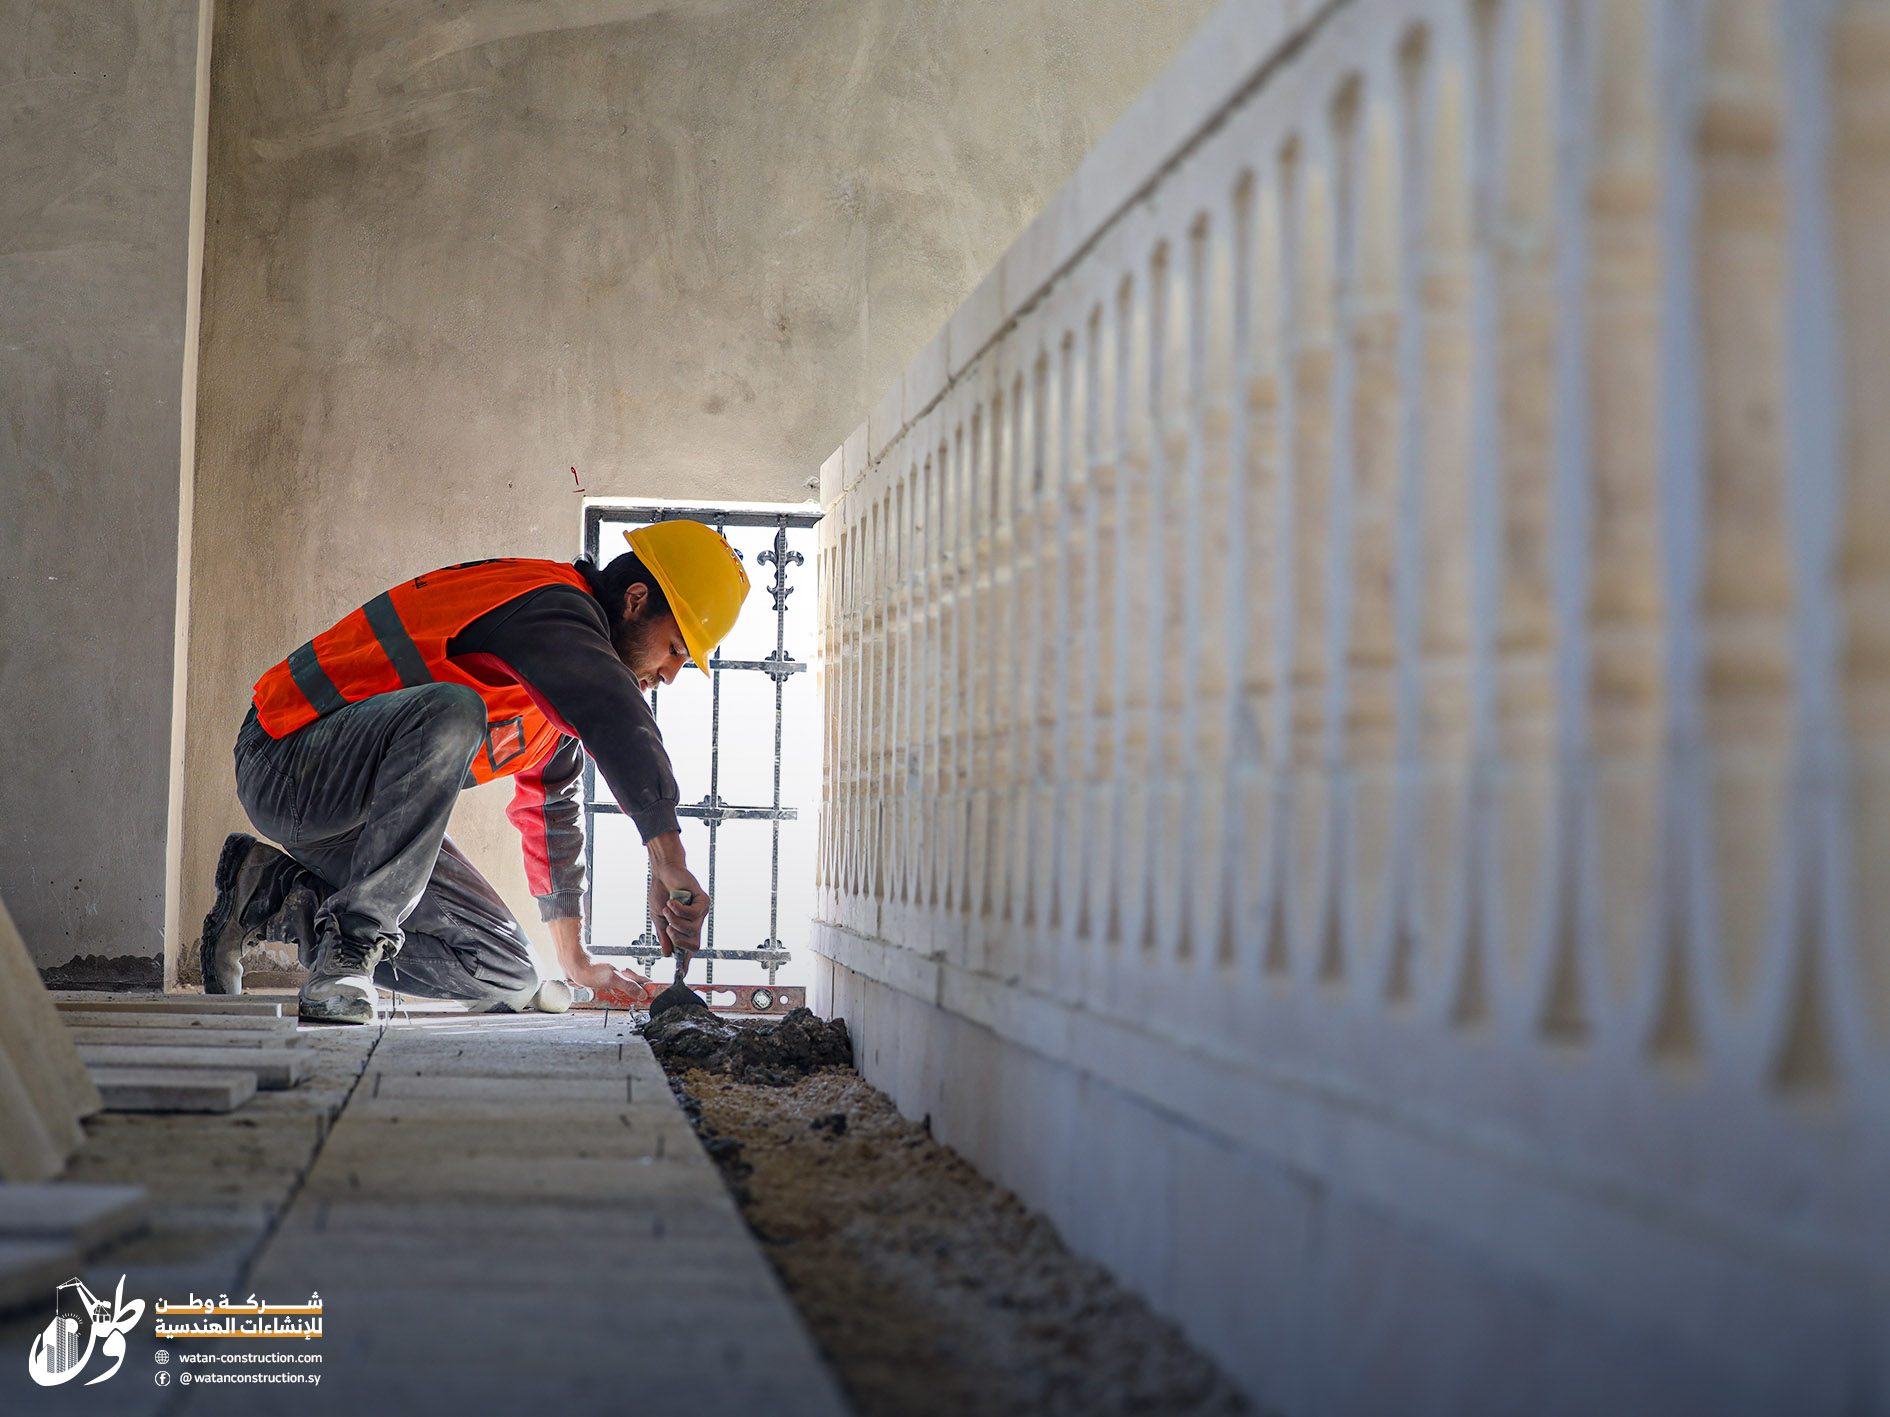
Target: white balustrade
[1370,633]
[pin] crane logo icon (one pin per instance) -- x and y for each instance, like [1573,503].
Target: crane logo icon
[82,1321]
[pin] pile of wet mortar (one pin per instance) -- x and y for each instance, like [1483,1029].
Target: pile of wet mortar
[930,1290]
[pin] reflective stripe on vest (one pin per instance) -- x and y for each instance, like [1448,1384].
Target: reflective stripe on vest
[398,640]
[396,643]
[313,680]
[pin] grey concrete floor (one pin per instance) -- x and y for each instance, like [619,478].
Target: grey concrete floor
[495,1210]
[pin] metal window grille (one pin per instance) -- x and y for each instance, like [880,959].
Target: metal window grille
[780,666]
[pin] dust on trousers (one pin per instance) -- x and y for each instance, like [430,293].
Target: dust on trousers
[360,799]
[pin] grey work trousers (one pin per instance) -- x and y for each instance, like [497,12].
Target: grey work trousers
[360,798]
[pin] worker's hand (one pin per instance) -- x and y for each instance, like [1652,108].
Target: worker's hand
[621,988]
[678,926]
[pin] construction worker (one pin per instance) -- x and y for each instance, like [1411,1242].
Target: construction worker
[357,745]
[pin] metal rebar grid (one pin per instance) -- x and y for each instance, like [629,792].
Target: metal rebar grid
[711,810]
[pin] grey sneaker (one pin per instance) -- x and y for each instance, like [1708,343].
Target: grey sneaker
[340,984]
[250,879]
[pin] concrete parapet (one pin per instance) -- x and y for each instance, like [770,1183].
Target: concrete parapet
[1358,688]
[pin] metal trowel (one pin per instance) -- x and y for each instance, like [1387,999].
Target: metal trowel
[678,994]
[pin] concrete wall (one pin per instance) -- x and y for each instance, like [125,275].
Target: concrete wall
[455,252]
[1355,667]
[98,107]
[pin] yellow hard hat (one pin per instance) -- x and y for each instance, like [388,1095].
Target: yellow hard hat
[701,576]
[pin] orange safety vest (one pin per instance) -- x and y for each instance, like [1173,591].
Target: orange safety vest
[398,640]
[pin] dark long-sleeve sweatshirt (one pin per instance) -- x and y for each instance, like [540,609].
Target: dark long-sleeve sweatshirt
[556,641]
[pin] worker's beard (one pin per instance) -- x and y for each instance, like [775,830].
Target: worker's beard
[631,635]
[625,636]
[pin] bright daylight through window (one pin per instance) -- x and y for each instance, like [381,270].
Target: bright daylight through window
[745,745]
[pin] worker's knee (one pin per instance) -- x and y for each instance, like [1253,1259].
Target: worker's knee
[507,967]
[440,727]
[461,705]
[454,712]
[503,978]
[518,998]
